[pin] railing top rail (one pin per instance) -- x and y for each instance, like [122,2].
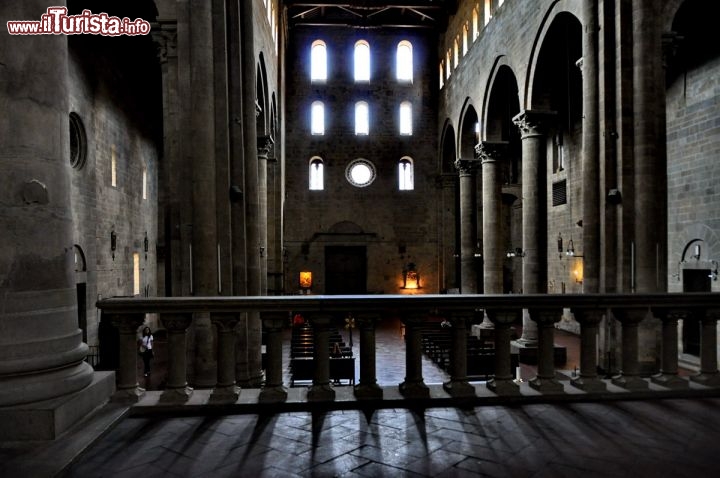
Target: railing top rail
[404,303]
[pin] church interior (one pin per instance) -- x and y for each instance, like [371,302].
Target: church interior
[541,177]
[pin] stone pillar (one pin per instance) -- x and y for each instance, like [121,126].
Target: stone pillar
[588,379]
[447,186]
[709,375]
[41,348]
[533,126]
[490,155]
[668,376]
[467,169]
[225,391]
[414,385]
[201,124]
[591,149]
[176,389]
[502,383]
[650,170]
[252,376]
[545,380]
[273,391]
[128,388]
[458,385]
[321,390]
[368,388]
[630,374]
[265,144]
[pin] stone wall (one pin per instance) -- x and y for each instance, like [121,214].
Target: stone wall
[116,95]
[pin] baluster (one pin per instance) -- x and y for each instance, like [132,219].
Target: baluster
[668,376]
[226,389]
[368,388]
[629,377]
[414,385]
[502,383]
[177,389]
[545,380]
[321,390]
[128,388]
[273,391]
[588,380]
[708,350]
[458,385]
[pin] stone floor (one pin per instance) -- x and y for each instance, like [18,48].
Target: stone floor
[663,438]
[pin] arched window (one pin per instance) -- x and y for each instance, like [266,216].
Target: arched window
[362,118]
[318,61]
[404,61]
[456,54]
[476,29]
[362,61]
[317,181]
[448,62]
[488,13]
[405,175]
[406,118]
[465,39]
[442,74]
[317,118]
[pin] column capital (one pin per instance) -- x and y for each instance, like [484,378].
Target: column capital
[491,151]
[467,166]
[164,34]
[176,322]
[534,123]
[224,322]
[265,144]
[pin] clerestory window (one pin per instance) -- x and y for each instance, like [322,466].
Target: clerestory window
[362,61]
[362,118]
[317,181]
[405,174]
[317,118]
[404,62]
[318,61]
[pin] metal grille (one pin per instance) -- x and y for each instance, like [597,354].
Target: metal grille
[559,193]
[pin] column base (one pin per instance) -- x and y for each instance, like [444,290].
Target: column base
[670,381]
[630,382]
[128,395]
[414,389]
[503,387]
[176,395]
[276,394]
[546,385]
[589,384]
[368,392]
[707,379]
[320,393]
[48,419]
[459,388]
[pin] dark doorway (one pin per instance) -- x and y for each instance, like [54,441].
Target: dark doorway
[694,280]
[345,270]
[82,309]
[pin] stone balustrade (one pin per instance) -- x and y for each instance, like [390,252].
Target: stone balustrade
[503,310]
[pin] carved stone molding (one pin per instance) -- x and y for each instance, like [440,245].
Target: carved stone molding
[533,123]
[491,151]
[164,35]
[467,166]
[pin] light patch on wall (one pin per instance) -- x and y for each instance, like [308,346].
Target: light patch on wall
[113,167]
[144,183]
[136,273]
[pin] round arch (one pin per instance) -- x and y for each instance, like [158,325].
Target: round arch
[448,153]
[467,130]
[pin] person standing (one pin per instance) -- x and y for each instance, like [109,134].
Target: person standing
[146,349]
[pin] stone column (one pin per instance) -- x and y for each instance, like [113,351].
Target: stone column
[225,391]
[176,389]
[502,383]
[490,155]
[458,385]
[467,169]
[650,170]
[273,391]
[533,126]
[252,376]
[128,388]
[201,124]
[41,348]
[414,385]
[367,388]
[265,144]
[447,186]
[588,380]
[321,390]
[591,149]
[630,374]
[709,375]
[668,376]
[545,380]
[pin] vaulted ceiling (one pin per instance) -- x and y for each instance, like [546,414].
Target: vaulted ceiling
[370,14]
